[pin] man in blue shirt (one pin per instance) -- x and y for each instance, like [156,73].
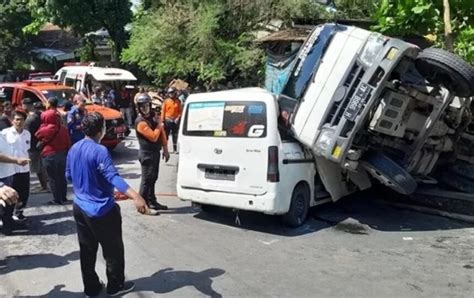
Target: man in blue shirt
[74,119]
[92,173]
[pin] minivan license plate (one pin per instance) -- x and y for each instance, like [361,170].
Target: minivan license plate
[357,102]
[220,175]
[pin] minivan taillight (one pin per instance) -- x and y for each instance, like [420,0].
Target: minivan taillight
[273,172]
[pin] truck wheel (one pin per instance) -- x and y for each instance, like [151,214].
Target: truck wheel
[445,68]
[299,207]
[389,173]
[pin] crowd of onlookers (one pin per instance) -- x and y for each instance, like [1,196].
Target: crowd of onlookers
[36,139]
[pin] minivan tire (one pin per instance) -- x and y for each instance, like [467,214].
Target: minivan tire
[389,173]
[445,68]
[299,207]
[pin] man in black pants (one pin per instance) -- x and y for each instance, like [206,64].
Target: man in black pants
[19,140]
[93,176]
[6,177]
[151,138]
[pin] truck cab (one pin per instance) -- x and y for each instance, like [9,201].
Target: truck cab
[368,105]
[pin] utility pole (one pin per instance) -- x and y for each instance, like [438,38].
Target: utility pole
[448,34]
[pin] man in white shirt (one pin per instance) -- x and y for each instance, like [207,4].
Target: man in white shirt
[19,140]
[7,171]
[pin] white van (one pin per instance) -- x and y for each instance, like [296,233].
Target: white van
[232,155]
[83,75]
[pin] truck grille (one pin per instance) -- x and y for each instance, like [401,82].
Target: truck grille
[351,83]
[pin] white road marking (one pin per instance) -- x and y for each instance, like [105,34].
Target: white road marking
[269,242]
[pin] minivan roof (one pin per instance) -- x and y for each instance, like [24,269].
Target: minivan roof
[244,94]
[102,73]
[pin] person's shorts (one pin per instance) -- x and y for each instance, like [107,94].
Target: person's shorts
[36,165]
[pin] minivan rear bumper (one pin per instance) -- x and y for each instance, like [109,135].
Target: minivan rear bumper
[265,203]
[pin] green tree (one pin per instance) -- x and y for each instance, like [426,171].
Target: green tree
[202,41]
[210,41]
[14,15]
[425,17]
[83,16]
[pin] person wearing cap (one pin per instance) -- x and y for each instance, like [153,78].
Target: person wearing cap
[151,139]
[32,124]
[74,118]
[171,115]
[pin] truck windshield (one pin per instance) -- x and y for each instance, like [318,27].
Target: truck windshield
[308,61]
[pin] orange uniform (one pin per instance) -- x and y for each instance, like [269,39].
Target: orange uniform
[152,135]
[171,109]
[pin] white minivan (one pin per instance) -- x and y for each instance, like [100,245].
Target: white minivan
[233,155]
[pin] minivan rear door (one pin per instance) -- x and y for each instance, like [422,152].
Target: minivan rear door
[224,147]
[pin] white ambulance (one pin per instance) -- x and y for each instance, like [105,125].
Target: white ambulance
[87,75]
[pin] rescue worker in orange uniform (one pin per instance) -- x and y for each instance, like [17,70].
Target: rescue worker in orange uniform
[171,115]
[151,139]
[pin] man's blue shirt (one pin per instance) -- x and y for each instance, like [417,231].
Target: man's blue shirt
[74,119]
[90,169]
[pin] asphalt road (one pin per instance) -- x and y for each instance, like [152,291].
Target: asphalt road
[357,247]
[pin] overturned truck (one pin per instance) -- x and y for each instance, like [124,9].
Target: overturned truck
[371,106]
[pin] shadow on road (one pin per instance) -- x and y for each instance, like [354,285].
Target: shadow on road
[124,154]
[168,280]
[164,281]
[358,214]
[34,261]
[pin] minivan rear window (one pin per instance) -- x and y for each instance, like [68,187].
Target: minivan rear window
[234,119]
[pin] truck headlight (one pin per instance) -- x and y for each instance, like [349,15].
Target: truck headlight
[371,49]
[324,141]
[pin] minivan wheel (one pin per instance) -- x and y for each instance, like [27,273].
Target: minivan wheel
[444,68]
[299,207]
[389,173]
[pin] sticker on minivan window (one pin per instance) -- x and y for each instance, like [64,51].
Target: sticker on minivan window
[207,116]
[256,131]
[235,109]
[220,133]
[256,109]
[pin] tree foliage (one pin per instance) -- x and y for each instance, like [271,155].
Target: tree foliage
[211,41]
[202,41]
[14,15]
[83,16]
[405,17]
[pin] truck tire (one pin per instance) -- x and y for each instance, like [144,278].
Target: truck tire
[389,173]
[444,68]
[299,207]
